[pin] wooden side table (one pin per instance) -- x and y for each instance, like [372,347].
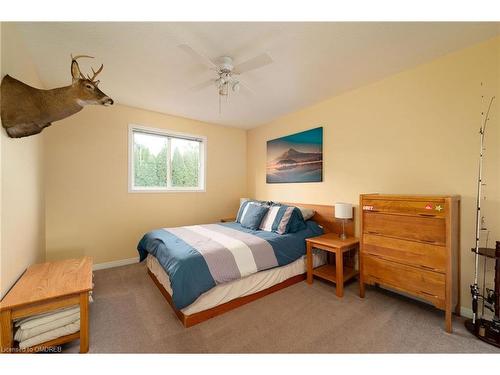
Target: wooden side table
[47,287]
[339,272]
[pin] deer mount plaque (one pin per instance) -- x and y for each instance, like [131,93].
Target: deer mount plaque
[26,110]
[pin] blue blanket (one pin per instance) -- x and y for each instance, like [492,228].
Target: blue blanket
[197,258]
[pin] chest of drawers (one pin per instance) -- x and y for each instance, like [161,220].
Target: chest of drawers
[411,244]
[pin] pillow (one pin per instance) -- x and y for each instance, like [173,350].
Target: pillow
[244,205]
[297,221]
[268,220]
[307,213]
[253,216]
[283,219]
[242,209]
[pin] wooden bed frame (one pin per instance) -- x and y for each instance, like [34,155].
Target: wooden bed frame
[324,216]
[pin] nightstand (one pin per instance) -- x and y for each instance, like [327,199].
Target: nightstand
[227,219]
[342,270]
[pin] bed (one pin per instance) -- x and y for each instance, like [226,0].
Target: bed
[200,283]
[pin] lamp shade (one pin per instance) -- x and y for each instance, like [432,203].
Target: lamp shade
[343,211]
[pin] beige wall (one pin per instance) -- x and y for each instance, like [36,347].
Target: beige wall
[88,208]
[22,196]
[413,133]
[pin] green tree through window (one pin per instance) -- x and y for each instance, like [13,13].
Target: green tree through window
[150,170]
[150,166]
[185,163]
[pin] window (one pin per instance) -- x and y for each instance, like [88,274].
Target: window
[162,161]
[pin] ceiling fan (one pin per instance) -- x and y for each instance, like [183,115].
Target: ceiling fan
[227,74]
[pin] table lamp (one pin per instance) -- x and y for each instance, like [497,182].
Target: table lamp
[343,211]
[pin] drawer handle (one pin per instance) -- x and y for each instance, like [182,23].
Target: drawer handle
[429,294]
[427,215]
[371,232]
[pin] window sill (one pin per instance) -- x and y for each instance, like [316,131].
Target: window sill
[140,191]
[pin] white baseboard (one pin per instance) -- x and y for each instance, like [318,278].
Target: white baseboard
[115,263]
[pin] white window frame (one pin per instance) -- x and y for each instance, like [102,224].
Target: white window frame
[202,173]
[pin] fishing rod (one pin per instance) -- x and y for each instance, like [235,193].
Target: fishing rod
[475,287]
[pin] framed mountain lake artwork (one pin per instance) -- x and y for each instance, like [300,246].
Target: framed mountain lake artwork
[296,158]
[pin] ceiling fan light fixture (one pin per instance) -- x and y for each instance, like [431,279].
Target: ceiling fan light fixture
[223,89]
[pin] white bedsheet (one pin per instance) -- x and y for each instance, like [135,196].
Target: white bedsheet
[226,292]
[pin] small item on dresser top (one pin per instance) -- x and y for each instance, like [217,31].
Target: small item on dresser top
[343,211]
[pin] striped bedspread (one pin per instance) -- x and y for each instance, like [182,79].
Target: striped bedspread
[199,257]
[230,254]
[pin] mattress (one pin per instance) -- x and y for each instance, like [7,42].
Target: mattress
[226,292]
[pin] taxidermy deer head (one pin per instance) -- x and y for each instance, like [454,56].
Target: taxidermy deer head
[26,110]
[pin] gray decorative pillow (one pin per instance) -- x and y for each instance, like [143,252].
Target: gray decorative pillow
[307,213]
[253,216]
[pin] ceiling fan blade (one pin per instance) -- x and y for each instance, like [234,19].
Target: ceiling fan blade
[197,56]
[254,63]
[203,85]
[245,87]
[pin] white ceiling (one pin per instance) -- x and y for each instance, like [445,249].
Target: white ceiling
[143,67]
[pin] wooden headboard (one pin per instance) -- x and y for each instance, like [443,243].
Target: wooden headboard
[325,216]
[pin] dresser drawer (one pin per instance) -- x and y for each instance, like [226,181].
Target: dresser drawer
[423,255]
[431,208]
[427,285]
[425,229]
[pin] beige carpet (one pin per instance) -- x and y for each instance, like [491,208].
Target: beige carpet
[130,315]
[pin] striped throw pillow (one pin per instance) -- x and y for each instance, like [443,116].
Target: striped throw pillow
[282,219]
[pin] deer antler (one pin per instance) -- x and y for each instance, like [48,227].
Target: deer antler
[77,57]
[95,73]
